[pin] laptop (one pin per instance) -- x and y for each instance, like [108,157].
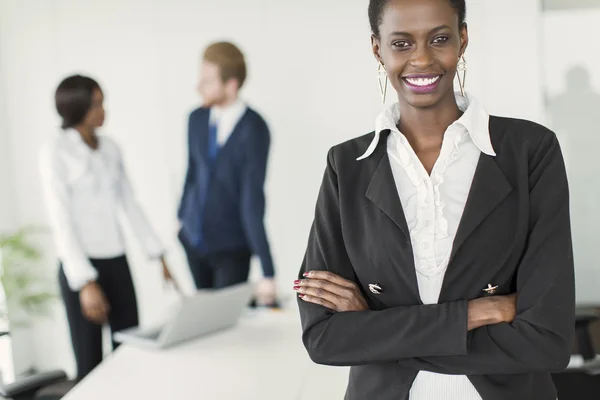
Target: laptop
[205,312]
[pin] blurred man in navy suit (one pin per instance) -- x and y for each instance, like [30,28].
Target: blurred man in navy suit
[223,203]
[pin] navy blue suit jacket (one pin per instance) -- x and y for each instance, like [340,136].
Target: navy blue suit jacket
[225,203]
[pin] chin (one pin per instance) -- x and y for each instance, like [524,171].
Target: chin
[211,101]
[425,100]
[421,100]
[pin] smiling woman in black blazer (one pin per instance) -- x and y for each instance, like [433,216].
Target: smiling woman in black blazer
[439,264]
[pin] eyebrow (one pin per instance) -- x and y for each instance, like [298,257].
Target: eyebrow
[439,28]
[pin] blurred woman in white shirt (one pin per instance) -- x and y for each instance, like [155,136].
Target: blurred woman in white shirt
[85,189]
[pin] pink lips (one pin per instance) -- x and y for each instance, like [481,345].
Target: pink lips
[422,88]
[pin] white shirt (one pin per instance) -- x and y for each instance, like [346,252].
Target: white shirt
[433,206]
[226,118]
[84,191]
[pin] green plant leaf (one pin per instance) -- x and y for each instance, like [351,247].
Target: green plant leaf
[20,274]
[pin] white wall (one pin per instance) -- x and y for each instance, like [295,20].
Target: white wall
[6,223]
[312,76]
[573,104]
[569,4]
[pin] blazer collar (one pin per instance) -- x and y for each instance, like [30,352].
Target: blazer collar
[382,190]
[475,120]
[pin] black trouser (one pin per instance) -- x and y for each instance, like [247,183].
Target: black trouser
[218,270]
[115,280]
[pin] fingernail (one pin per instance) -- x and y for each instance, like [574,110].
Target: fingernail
[296,282]
[296,287]
[301,296]
[306,274]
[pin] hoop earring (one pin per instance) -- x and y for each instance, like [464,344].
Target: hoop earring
[461,73]
[382,79]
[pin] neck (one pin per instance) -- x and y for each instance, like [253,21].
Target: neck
[88,135]
[425,127]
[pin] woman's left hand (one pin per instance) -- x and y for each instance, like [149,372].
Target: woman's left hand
[330,290]
[165,270]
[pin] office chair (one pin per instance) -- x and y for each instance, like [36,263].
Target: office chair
[51,385]
[582,382]
[27,388]
[55,391]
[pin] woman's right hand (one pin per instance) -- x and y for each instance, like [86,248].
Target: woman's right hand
[93,302]
[491,310]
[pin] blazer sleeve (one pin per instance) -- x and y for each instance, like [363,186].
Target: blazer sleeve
[366,337]
[540,337]
[190,174]
[253,196]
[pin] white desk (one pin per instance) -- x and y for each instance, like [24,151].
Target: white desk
[261,358]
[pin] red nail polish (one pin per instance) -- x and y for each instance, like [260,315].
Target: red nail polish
[296,287]
[305,274]
[296,282]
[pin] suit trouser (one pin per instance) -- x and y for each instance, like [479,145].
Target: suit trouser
[114,277]
[217,270]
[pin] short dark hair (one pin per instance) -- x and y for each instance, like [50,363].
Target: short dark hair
[73,99]
[376,8]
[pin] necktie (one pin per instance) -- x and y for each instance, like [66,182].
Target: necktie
[213,146]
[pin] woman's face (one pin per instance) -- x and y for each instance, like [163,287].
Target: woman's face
[95,116]
[420,45]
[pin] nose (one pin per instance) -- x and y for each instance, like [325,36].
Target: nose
[421,58]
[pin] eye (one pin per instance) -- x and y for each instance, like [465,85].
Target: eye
[440,39]
[401,44]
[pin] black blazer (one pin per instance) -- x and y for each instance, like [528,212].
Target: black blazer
[514,233]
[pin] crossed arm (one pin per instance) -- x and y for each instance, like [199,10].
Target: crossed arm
[483,336]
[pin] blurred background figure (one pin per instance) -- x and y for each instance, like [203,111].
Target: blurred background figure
[85,187]
[223,203]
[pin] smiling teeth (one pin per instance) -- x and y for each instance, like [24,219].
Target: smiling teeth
[422,81]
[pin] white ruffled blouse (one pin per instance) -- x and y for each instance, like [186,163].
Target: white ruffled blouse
[433,206]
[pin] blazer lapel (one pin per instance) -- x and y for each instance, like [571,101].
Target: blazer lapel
[201,131]
[488,189]
[383,193]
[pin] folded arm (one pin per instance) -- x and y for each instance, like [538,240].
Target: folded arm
[428,337]
[540,337]
[365,337]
